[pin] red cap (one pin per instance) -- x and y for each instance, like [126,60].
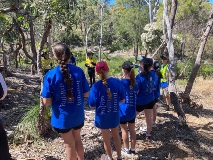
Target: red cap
[101,66]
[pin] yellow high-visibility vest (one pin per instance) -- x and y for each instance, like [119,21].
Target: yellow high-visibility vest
[164,70]
[89,61]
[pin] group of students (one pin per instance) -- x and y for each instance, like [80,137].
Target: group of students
[116,102]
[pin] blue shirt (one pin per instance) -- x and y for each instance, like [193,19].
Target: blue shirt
[157,86]
[73,60]
[128,109]
[145,88]
[107,110]
[66,113]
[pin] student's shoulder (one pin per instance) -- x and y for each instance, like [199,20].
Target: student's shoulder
[75,68]
[115,80]
[53,72]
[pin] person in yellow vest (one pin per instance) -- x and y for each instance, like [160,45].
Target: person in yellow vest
[164,80]
[90,63]
[47,62]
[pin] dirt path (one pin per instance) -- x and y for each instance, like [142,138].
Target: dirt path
[169,140]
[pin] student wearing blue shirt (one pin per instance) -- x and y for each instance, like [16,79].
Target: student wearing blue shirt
[145,97]
[156,67]
[105,95]
[72,60]
[64,88]
[128,109]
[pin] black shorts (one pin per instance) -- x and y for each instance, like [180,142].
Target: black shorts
[150,105]
[156,100]
[131,121]
[67,130]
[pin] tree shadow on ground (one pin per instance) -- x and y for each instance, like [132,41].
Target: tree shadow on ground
[167,151]
[170,140]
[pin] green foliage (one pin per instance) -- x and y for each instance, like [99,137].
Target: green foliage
[114,64]
[151,37]
[70,38]
[206,71]
[27,128]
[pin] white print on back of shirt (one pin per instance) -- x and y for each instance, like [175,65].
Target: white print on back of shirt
[64,93]
[130,101]
[107,106]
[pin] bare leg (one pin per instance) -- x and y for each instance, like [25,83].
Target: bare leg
[167,99]
[148,115]
[154,113]
[117,140]
[70,145]
[125,135]
[78,144]
[107,144]
[131,127]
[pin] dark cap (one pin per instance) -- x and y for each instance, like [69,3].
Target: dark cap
[142,59]
[127,65]
[150,61]
[90,52]
[164,56]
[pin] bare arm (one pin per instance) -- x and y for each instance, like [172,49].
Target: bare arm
[123,100]
[86,94]
[47,101]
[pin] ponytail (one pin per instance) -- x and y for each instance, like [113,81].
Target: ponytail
[63,54]
[132,78]
[104,80]
[146,67]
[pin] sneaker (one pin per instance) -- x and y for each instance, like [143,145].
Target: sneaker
[132,152]
[125,151]
[154,125]
[104,157]
[146,136]
[143,128]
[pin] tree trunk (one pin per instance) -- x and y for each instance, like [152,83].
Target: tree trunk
[172,71]
[16,54]
[43,124]
[33,47]
[86,40]
[23,40]
[47,27]
[198,59]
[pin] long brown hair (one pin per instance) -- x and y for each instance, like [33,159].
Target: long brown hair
[104,81]
[63,54]
[132,78]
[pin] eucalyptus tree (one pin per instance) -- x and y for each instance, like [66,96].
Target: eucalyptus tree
[170,46]
[197,64]
[131,18]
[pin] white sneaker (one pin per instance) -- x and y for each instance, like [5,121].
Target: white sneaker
[143,128]
[104,157]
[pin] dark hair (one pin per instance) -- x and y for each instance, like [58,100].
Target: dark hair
[146,67]
[103,78]
[63,54]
